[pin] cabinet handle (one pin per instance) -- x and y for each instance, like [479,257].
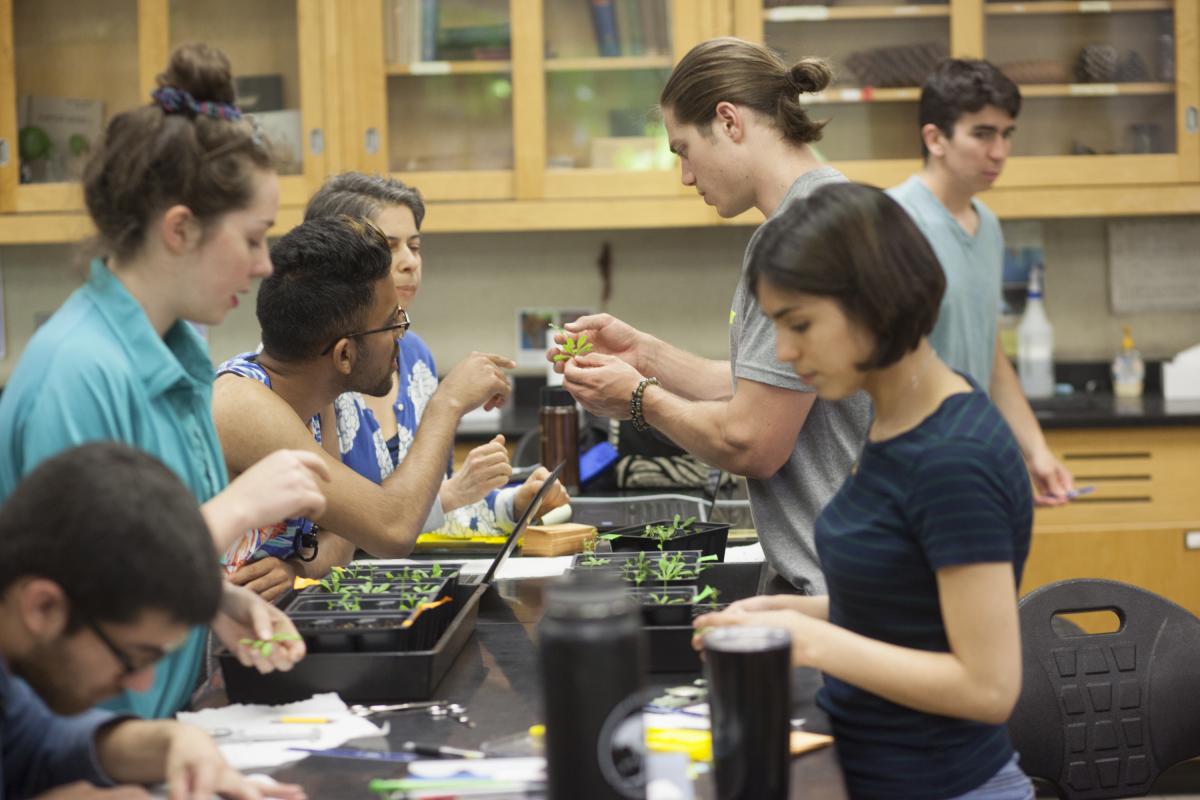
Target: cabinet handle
[1191,119]
[316,141]
[3,152]
[371,141]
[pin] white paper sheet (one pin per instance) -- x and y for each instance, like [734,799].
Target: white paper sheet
[259,719]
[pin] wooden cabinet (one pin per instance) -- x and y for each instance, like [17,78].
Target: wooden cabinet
[87,60]
[509,114]
[1135,526]
[1110,87]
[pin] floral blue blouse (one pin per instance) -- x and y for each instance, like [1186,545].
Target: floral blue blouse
[364,449]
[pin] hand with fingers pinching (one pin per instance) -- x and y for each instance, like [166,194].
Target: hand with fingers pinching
[477,380]
[245,618]
[598,333]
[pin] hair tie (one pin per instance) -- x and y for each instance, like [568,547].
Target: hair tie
[179,101]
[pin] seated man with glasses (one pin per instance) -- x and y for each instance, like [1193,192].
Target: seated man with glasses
[330,325]
[85,615]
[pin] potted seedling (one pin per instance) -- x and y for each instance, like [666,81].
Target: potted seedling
[674,534]
[572,345]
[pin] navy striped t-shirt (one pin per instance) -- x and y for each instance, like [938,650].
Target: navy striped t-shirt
[952,491]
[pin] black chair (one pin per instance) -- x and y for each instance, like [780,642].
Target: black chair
[1101,715]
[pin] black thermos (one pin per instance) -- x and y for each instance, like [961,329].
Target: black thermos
[559,426]
[592,656]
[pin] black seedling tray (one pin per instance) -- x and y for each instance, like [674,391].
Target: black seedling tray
[619,563]
[707,537]
[363,677]
[671,645]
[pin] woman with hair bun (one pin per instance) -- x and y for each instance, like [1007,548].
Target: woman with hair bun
[182,192]
[733,116]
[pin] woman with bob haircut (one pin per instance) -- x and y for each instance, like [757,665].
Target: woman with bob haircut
[924,543]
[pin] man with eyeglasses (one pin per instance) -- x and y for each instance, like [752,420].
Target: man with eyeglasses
[330,326]
[85,615]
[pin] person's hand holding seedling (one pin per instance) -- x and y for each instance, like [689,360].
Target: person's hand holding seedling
[243,615]
[599,333]
[572,346]
[602,384]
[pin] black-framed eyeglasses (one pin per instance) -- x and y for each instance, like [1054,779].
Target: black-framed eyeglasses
[128,667]
[402,324]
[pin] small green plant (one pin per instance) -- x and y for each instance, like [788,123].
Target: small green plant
[571,346]
[709,593]
[264,646]
[665,599]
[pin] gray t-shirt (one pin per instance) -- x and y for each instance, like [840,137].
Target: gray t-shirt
[965,334]
[786,505]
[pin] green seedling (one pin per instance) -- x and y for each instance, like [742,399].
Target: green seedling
[710,594]
[665,599]
[571,346]
[264,646]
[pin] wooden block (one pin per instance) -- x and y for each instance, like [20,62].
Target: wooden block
[556,540]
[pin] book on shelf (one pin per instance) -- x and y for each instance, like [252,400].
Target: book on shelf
[604,23]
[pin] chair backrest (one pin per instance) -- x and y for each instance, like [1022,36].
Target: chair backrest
[1101,715]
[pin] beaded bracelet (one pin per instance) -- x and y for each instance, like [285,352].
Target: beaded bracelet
[635,404]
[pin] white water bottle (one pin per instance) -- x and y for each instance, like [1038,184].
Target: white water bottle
[1035,343]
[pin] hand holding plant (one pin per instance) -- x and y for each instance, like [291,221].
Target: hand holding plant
[571,347]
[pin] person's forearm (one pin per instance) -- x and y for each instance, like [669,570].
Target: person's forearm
[411,489]
[332,551]
[135,750]
[1009,398]
[706,430]
[936,683]
[226,522]
[686,374]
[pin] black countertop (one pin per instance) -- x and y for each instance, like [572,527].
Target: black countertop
[1106,411]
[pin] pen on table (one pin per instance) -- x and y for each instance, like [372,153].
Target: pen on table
[302,720]
[441,751]
[413,789]
[224,736]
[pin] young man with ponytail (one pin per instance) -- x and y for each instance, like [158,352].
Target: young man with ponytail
[733,114]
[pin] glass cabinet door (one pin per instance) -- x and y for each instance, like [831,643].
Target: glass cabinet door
[606,62]
[880,53]
[449,96]
[75,65]
[1098,78]
[264,39]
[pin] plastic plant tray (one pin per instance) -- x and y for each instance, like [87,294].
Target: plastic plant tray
[707,537]
[363,676]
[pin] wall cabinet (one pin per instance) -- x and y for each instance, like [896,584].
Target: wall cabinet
[539,114]
[1110,87]
[1135,526]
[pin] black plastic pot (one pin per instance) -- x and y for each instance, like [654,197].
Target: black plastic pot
[670,606]
[709,538]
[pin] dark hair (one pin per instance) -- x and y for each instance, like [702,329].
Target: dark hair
[960,86]
[322,286]
[150,159]
[117,530]
[746,74]
[857,246]
[355,194]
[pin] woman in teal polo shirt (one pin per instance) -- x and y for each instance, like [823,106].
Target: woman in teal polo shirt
[182,192]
